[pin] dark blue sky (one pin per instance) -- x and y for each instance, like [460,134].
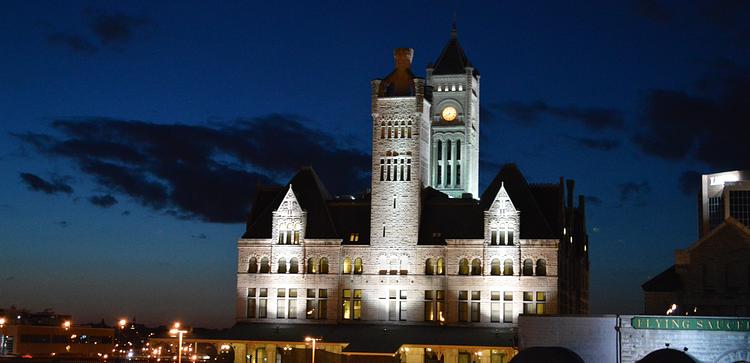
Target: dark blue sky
[134,134]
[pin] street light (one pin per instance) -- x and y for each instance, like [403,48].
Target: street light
[122,323]
[313,340]
[66,324]
[179,332]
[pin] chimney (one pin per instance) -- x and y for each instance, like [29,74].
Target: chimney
[403,57]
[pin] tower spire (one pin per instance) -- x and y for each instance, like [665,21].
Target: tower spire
[453,26]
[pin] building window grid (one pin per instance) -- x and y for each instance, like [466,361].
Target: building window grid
[739,206]
[317,305]
[534,302]
[434,305]
[351,304]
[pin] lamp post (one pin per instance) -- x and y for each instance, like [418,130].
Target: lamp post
[313,340]
[179,332]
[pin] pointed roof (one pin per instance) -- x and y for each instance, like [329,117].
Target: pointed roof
[533,222]
[312,197]
[667,281]
[452,59]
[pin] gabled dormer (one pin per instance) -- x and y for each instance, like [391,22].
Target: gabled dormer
[502,220]
[289,220]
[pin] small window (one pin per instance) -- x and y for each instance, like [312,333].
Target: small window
[347,265]
[264,265]
[311,266]
[463,267]
[354,237]
[508,267]
[282,266]
[440,266]
[293,266]
[541,267]
[323,268]
[252,265]
[476,267]
[357,266]
[495,267]
[528,267]
[429,268]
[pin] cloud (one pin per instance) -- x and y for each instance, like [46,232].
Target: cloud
[592,200]
[634,193]
[125,213]
[63,224]
[104,201]
[201,172]
[603,144]
[705,126]
[38,184]
[73,42]
[115,28]
[200,236]
[592,118]
[106,29]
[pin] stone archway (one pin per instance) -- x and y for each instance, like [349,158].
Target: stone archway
[667,355]
[735,356]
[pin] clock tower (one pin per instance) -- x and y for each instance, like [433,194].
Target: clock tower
[454,137]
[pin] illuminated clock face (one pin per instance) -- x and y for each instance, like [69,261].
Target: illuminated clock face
[449,113]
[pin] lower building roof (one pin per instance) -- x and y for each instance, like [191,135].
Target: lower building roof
[365,338]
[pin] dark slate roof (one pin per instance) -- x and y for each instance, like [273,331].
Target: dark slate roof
[550,198]
[449,218]
[547,354]
[452,59]
[667,281]
[364,338]
[351,216]
[260,218]
[533,222]
[312,197]
[441,217]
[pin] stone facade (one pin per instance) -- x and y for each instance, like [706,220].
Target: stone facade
[407,253]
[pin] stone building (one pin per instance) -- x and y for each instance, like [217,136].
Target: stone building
[712,276]
[423,247]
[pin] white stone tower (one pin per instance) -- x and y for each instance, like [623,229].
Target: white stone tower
[454,155]
[400,144]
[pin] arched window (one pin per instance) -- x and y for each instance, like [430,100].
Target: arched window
[429,268]
[440,150]
[357,266]
[528,267]
[495,267]
[264,266]
[508,267]
[347,265]
[440,266]
[293,266]
[311,267]
[323,268]
[463,267]
[458,149]
[541,267]
[476,267]
[252,265]
[282,266]
[297,229]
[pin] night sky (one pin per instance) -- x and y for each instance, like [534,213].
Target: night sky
[134,134]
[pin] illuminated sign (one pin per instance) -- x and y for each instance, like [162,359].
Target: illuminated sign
[685,323]
[724,178]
